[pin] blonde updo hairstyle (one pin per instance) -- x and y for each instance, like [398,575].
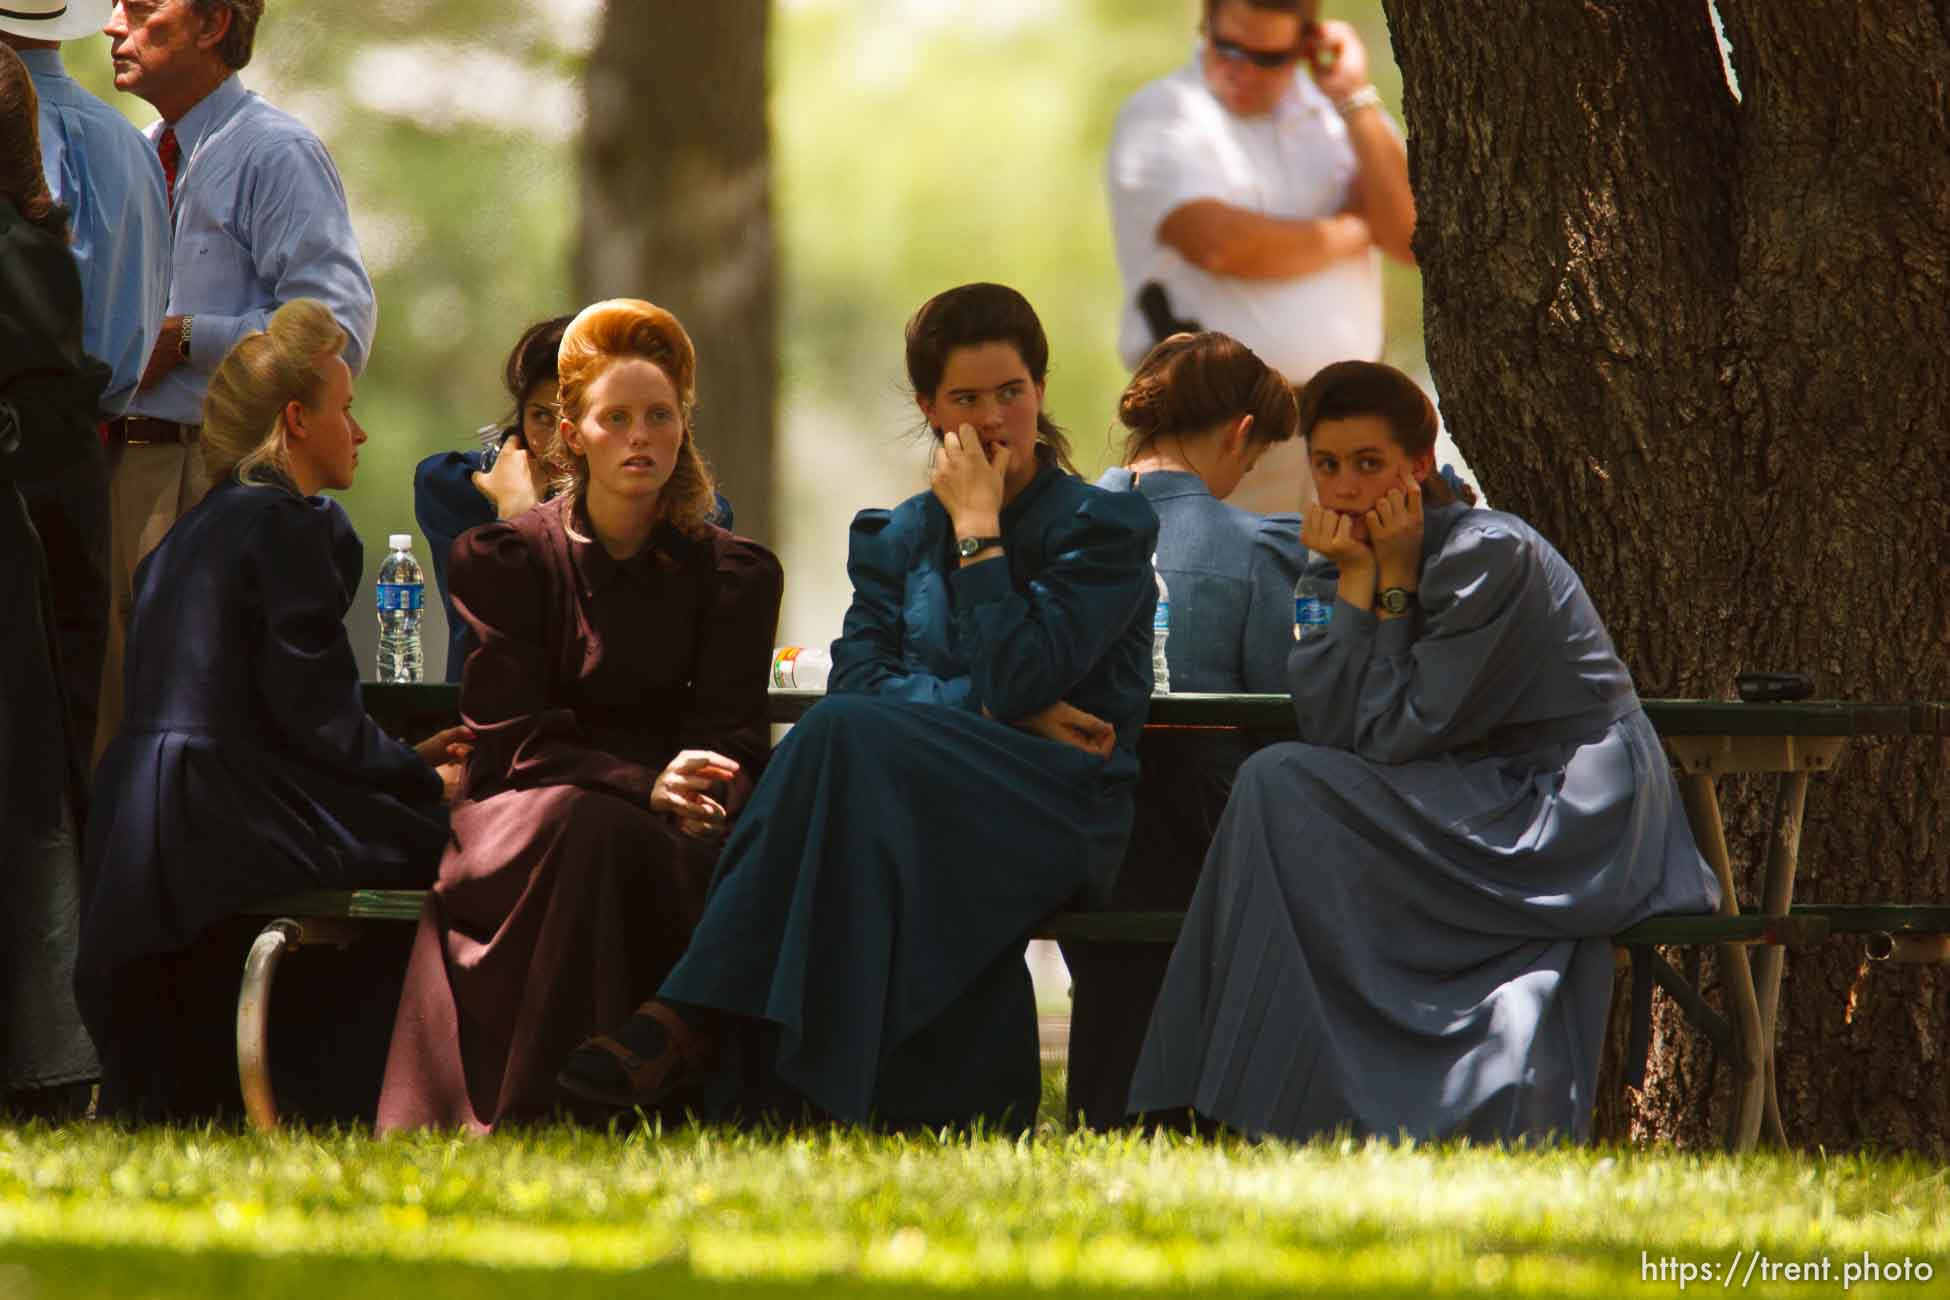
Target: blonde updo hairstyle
[243,409]
[1191,383]
[607,332]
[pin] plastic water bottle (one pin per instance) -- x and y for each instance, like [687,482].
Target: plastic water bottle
[801,668]
[1160,633]
[400,595]
[1313,606]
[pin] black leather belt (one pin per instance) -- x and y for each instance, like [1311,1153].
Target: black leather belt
[142,431]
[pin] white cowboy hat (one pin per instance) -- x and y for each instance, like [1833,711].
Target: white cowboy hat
[53,20]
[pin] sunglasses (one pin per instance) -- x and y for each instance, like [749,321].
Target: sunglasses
[1271,60]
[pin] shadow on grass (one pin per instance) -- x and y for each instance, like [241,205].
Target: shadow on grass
[34,1272]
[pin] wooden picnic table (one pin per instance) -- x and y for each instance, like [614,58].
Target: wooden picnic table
[1707,739]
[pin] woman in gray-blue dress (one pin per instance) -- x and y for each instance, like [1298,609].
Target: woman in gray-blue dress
[1401,928]
[1201,410]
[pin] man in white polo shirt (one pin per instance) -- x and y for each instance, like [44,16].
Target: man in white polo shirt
[1256,188]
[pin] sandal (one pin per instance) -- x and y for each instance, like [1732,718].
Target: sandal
[611,1071]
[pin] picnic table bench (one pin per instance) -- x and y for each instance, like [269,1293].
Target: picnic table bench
[1707,739]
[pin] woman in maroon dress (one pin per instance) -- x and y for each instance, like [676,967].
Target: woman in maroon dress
[618,705]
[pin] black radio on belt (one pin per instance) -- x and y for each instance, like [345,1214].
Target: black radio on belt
[1154,304]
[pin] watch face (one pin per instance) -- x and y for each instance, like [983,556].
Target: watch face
[1394,600]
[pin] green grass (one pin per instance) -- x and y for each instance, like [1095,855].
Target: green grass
[91,1210]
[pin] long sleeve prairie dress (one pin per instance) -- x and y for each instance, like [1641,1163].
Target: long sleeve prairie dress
[563,900]
[1402,925]
[873,903]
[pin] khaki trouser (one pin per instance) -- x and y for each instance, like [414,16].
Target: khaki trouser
[150,487]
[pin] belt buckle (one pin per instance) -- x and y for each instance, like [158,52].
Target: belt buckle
[149,421]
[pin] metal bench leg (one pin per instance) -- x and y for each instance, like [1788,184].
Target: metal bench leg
[1749,1057]
[1777,897]
[254,1021]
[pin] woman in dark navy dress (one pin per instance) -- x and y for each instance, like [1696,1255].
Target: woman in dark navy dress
[617,698]
[246,767]
[970,773]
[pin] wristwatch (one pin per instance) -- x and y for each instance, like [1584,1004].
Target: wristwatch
[1395,600]
[183,338]
[968,547]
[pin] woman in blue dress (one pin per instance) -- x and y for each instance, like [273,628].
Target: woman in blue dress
[246,767]
[454,491]
[1402,925]
[971,771]
[1200,411]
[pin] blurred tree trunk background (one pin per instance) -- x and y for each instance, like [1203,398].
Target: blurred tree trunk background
[1698,335]
[676,202]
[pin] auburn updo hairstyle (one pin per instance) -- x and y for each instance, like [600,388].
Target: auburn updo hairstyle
[1350,389]
[264,371]
[604,333]
[1190,383]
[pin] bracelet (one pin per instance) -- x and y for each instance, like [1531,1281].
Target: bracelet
[1366,97]
[183,338]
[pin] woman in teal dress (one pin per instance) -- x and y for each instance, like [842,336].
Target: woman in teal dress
[971,772]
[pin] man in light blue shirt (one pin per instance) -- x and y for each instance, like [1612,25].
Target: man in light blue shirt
[260,218]
[109,178]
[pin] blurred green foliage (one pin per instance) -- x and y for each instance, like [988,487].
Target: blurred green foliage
[918,144]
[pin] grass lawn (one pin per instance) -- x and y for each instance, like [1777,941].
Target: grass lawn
[90,1210]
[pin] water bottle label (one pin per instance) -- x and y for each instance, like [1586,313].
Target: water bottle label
[1161,620]
[1311,614]
[783,676]
[391,596]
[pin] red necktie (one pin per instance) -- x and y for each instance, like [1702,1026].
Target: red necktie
[170,152]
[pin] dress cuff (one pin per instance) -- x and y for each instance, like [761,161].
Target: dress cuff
[1396,635]
[980,583]
[1350,623]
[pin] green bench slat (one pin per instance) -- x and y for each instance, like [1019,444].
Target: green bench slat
[398,704]
[353,904]
[1880,918]
[1113,927]
[1808,923]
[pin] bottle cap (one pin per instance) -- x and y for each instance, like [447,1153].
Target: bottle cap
[400,542]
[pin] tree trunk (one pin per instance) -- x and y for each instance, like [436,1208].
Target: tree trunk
[1702,342]
[677,208]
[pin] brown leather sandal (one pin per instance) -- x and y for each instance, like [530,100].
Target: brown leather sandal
[609,1070]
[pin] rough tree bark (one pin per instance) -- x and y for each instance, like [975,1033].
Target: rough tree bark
[676,195]
[1703,342]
